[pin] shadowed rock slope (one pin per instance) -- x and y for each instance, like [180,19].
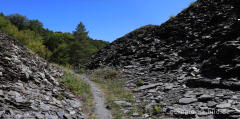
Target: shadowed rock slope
[29,86]
[193,58]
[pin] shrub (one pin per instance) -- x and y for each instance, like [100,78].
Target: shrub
[10,29]
[3,22]
[105,73]
[38,48]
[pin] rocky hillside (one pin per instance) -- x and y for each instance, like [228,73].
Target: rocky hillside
[30,88]
[190,65]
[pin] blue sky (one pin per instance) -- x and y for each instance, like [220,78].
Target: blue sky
[104,19]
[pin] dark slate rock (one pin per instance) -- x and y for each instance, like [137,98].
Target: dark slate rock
[197,53]
[211,103]
[148,86]
[187,100]
[205,97]
[29,86]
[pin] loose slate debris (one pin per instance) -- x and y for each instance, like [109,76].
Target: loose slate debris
[148,86]
[196,55]
[29,86]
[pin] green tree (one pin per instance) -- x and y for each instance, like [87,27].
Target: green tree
[80,52]
[35,26]
[53,40]
[62,48]
[61,55]
[99,44]
[18,20]
[1,14]
[80,32]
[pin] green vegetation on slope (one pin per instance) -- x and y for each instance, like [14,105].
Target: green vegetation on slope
[114,89]
[81,89]
[27,37]
[61,48]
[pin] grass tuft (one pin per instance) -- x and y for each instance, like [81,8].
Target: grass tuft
[158,109]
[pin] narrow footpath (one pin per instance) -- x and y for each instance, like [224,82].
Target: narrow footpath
[100,107]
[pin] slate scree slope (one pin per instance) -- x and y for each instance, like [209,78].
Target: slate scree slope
[194,58]
[29,86]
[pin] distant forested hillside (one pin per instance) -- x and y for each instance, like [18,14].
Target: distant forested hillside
[58,47]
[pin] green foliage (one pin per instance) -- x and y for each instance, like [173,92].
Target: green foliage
[81,89]
[18,20]
[35,26]
[61,55]
[61,48]
[80,32]
[67,49]
[158,109]
[73,49]
[29,38]
[140,83]
[80,52]
[79,86]
[53,41]
[1,14]
[3,22]
[82,70]
[99,44]
[10,29]
[38,48]
[105,73]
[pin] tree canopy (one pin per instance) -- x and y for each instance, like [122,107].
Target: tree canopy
[58,47]
[18,20]
[80,32]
